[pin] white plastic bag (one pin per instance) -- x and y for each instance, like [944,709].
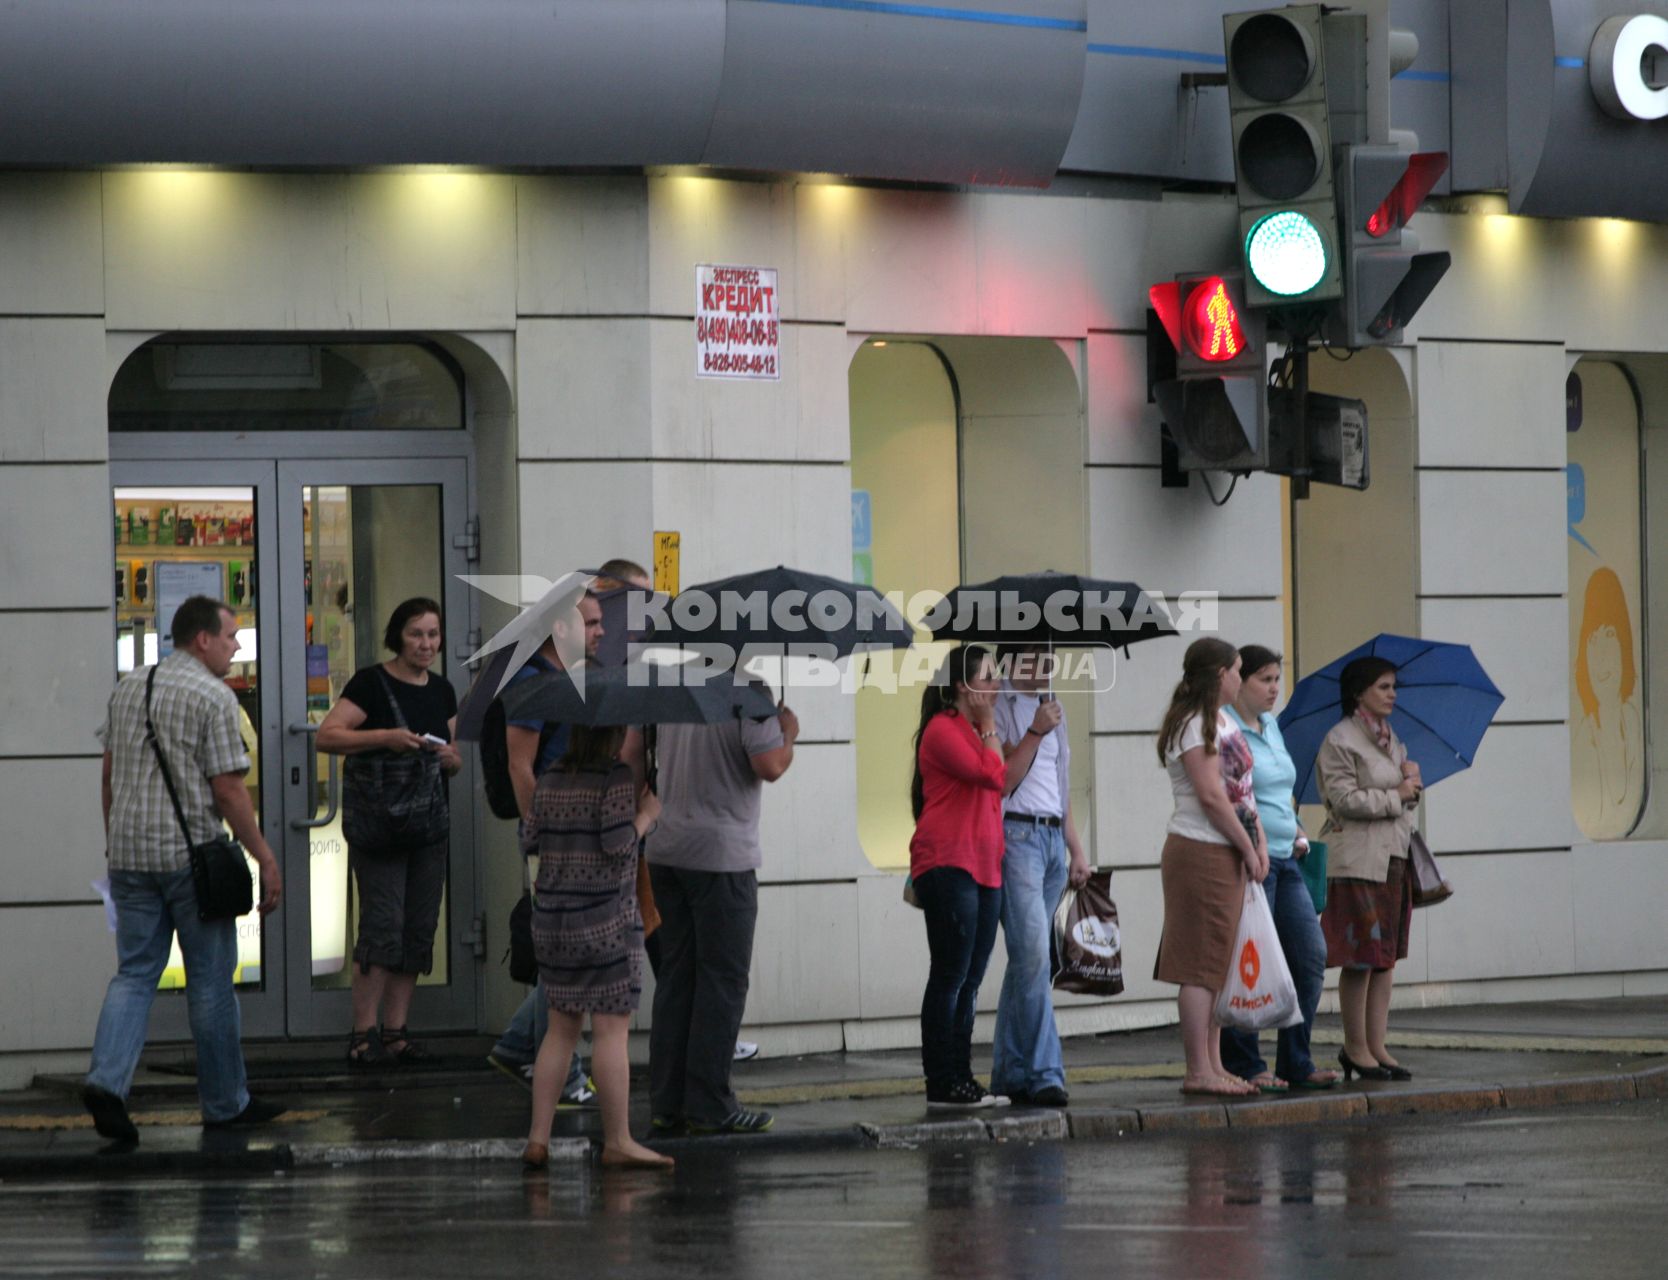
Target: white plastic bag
[1259,992]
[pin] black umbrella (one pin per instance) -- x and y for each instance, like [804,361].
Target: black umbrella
[782,608]
[1059,609]
[639,693]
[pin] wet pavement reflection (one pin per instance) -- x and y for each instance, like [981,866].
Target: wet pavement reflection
[1576,1192]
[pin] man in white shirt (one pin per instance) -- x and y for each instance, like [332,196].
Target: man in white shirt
[1042,852]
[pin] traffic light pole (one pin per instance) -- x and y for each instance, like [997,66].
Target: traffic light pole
[1300,408]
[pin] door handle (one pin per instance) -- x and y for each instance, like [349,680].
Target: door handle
[333,789]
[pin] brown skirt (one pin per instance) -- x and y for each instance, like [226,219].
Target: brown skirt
[1204,893]
[1366,923]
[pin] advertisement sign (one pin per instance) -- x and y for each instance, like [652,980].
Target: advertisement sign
[176,582]
[668,551]
[737,323]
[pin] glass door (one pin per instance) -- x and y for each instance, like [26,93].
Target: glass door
[210,528]
[360,537]
[312,556]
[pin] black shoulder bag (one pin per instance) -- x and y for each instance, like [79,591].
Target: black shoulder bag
[393,802]
[218,870]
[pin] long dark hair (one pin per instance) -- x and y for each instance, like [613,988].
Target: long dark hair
[959,669]
[1202,667]
[592,748]
[1357,678]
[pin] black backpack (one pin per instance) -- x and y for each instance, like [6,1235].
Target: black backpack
[495,761]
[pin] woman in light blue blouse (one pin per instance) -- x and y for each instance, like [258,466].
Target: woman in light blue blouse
[1273,778]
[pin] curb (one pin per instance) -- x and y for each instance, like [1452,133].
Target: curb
[139,1162]
[1084,1124]
[1080,1124]
[340,1153]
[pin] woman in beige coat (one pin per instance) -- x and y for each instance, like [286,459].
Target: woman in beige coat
[1371,789]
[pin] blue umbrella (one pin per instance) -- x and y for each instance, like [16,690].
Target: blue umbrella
[1444,703]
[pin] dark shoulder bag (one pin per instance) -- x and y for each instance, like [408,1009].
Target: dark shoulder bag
[393,801]
[219,873]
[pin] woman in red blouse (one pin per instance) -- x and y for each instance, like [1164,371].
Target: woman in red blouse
[955,863]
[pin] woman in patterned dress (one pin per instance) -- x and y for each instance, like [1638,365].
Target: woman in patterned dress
[586,821]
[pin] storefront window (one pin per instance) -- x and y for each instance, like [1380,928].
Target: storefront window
[1607,694]
[185,385]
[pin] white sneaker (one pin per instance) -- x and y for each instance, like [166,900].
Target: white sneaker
[746,1049]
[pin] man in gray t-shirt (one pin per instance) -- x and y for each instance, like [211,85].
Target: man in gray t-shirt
[703,862]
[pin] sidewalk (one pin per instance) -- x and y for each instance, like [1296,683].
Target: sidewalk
[1471,1058]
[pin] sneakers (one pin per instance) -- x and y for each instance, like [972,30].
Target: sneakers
[736,1122]
[109,1113]
[255,1112]
[1050,1095]
[746,1050]
[965,1095]
[579,1095]
[520,1072]
[666,1124]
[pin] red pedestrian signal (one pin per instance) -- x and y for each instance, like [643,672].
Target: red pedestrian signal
[1210,322]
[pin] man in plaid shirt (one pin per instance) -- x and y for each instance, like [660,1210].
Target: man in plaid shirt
[196,719]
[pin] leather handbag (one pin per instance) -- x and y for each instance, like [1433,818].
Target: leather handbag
[219,870]
[394,801]
[1429,885]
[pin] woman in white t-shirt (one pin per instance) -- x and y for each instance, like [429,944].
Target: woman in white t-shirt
[1214,841]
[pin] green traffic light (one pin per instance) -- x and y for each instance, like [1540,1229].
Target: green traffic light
[1286,253]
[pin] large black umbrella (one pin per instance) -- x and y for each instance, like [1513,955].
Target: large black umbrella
[1058,609]
[638,693]
[783,609]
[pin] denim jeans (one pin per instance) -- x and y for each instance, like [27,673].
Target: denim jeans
[1305,950]
[521,1039]
[961,917]
[151,907]
[1026,1054]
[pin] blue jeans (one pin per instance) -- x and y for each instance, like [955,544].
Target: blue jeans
[1027,1051]
[1305,950]
[525,1033]
[961,917]
[151,907]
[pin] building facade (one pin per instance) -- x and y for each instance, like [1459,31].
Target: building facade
[320,353]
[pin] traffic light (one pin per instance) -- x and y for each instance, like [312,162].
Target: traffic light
[1386,278]
[1282,137]
[1216,405]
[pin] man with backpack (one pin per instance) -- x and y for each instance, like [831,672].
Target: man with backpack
[513,755]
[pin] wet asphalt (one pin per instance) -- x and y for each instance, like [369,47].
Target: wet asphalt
[1571,1192]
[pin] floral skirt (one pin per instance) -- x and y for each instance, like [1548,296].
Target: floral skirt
[1366,923]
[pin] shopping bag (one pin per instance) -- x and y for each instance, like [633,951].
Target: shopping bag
[1086,952]
[1429,886]
[1312,865]
[1259,992]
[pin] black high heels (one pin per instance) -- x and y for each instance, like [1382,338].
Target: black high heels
[1397,1072]
[1366,1073]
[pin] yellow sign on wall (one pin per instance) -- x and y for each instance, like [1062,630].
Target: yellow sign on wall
[667,547]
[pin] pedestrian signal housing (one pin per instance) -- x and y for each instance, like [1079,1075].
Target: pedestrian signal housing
[1386,278]
[1215,405]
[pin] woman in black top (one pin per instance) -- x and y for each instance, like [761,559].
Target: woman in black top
[395,709]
